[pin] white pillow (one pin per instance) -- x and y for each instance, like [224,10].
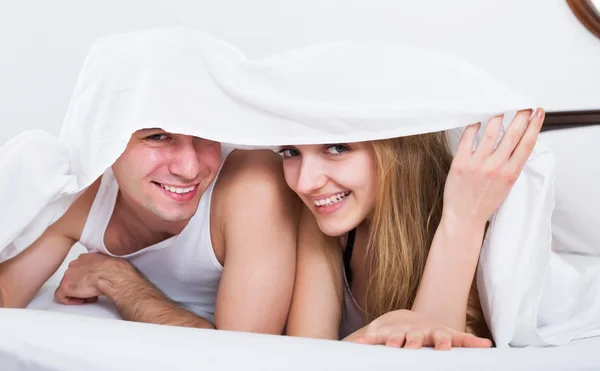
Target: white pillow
[576,216]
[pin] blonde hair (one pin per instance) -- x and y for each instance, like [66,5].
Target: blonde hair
[408,210]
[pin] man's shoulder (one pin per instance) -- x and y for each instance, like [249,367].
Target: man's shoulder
[72,222]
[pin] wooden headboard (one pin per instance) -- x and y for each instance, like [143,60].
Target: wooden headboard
[570,119]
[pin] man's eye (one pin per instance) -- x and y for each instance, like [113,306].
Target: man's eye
[288,152]
[157,137]
[337,149]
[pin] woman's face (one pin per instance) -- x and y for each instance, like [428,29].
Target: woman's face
[337,182]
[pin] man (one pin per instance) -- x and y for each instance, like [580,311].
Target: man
[179,233]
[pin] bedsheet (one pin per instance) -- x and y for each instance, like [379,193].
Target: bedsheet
[51,336]
[44,340]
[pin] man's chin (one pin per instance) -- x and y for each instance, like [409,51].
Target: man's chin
[175,214]
[176,217]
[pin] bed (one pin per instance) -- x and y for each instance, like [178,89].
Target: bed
[50,336]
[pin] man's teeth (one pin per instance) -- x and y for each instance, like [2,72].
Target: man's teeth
[177,189]
[332,200]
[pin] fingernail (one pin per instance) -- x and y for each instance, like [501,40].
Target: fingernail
[540,113]
[444,345]
[528,111]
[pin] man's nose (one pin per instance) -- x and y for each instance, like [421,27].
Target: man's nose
[185,160]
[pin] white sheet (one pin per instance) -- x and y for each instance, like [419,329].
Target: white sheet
[190,83]
[38,340]
[575,219]
[46,340]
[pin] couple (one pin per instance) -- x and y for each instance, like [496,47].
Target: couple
[382,249]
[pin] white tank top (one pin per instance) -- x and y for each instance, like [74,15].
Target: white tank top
[184,267]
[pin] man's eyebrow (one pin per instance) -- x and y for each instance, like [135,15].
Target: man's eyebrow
[150,129]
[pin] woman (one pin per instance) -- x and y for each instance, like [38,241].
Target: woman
[389,253]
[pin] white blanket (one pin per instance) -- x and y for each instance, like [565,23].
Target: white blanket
[187,82]
[35,340]
[72,339]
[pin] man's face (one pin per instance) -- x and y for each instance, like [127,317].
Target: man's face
[166,174]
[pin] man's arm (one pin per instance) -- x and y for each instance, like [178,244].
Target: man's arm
[258,217]
[23,275]
[135,297]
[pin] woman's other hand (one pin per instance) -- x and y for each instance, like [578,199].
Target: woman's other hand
[408,329]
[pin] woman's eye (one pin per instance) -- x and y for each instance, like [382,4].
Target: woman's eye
[337,149]
[288,152]
[157,137]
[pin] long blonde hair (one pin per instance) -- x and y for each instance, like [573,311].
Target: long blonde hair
[408,210]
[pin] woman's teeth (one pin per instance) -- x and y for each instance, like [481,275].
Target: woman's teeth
[177,189]
[332,200]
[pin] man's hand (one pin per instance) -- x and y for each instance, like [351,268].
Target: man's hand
[80,282]
[136,299]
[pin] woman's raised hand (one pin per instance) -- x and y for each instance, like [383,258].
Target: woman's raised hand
[480,179]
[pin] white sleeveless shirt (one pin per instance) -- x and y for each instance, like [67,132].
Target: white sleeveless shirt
[184,267]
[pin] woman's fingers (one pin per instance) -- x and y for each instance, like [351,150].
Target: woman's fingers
[525,147]
[467,140]
[490,136]
[396,339]
[441,339]
[465,340]
[414,339]
[375,335]
[512,136]
[363,340]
